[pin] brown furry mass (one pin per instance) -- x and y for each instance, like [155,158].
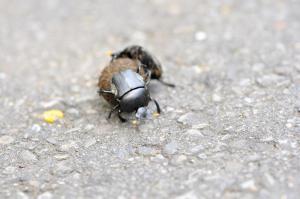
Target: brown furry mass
[115,67]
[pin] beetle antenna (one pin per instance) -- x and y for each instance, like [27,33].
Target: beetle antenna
[122,119]
[112,110]
[100,91]
[157,105]
[166,83]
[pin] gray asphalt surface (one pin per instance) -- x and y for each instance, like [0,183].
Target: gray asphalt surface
[230,129]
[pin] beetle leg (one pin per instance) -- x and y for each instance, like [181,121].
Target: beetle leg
[105,91]
[138,68]
[166,83]
[122,119]
[112,110]
[148,72]
[114,56]
[157,105]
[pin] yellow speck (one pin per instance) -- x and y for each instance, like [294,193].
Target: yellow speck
[51,116]
[155,114]
[108,53]
[134,122]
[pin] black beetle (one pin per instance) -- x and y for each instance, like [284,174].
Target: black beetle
[124,82]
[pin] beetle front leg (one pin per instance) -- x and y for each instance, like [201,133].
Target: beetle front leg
[101,91]
[148,73]
[166,83]
[116,55]
[113,110]
[113,57]
[122,119]
[157,105]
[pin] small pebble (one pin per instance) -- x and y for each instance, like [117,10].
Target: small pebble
[216,97]
[158,158]
[67,146]
[61,156]
[22,195]
[147,151]
[200,126]
[249,185]
[143,113]
[9,170]
[134,122]
[194,132]
[75,88]
[178,159]
[63,167]
[248,100]
[170,148]
[189,119]
[2,75]
[45,195]
[122,153]
[27,155]
[188,195]
[52,140]
[89,127]
[289,125]
[139,36]
[196,149]
[258,67]
[245,82]
[36,128]
[271,80]
[6,139]
[52,103]
[202,156]
[269,179]
[73,112]
[200,36]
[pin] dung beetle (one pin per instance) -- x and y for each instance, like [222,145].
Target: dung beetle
[124,82]
[125,86]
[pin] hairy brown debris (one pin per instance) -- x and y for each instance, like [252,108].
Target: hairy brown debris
[112,68]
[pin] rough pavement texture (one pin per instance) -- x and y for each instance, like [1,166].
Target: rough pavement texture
[230,129]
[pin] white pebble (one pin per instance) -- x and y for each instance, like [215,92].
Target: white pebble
[216,97]
[45,195]
[200,126]
[61,156]
[194,132]
[188,195]
[2,75]
[170,148]
[36,128]
[146,151]
[200,36]
[249,185]
[28,156]
[89,127]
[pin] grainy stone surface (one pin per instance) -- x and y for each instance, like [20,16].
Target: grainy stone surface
[230,129]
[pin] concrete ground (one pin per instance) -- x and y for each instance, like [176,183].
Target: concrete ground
[230,129]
